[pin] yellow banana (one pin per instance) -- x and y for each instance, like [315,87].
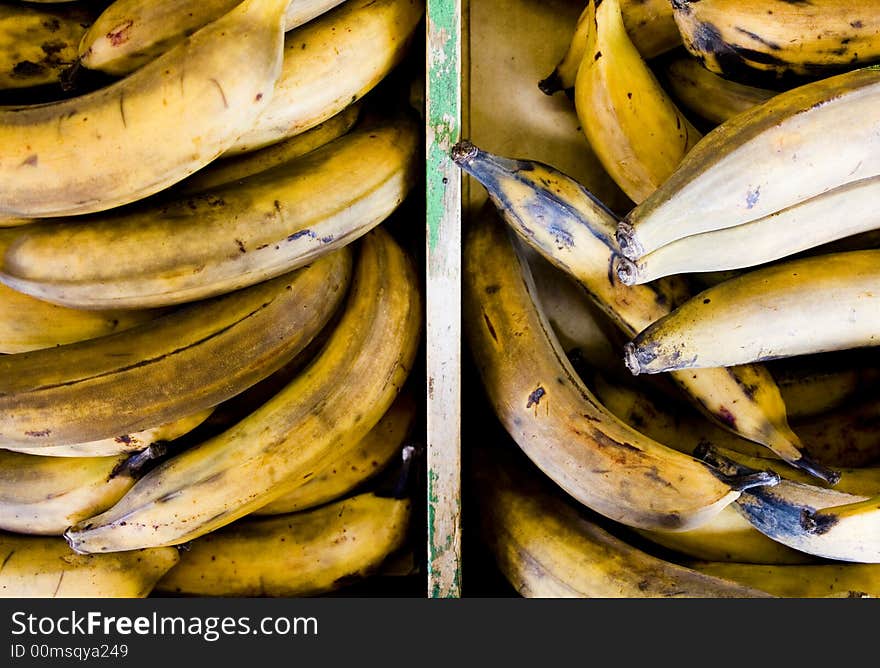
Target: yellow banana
[812,305]
[163,370]
[800,581]
[755,163]
[547,547]
[555,419]
[306,553]
[790,231]
[130,33]
[122,444]
[143,133]
[46,567]
[632,124]
[236,168]
[341,476]
[224,239]
[709,95]
[561,220]
[648,23]
[331,63]
[39,44]
[321,415]
[777,41]
[27,323]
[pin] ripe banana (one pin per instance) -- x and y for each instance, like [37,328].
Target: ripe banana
[778,41]
[46,567]
[648,23]
[753,164]
[631,123]
[306,553]
[224,239]
[781,234]
[130,33]
[331,63]
[321,415]
[236,168]
[800,581]
[119,445]
[561,220]
[27,323]
[555,419]
[163,370]
[45,495]
[341,476]
[141,134]
[811,305]
[547,547]
[709,95]
[38,44]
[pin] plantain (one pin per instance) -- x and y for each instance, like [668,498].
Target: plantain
[800,581]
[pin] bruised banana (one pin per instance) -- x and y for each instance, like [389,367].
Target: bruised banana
[45,495]
[561,220]
[555,419]
[781,234]
[648,23]
[331,63]
[171,367]
[306,553]
[39,44]
[130,33]
[753,164]
[238,167]
[372,455]
[812,305]
[46,567]
[224,239]
[777,41]
[800,581]
[143,133]
[28,324]
[547,547]
[631,123]
[320,416]
[709,95]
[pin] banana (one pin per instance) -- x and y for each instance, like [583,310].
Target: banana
[236,168]
[168,368]
[847,437]
[555,419]
[307,553]
[709,95]
[372,455]
[331,63]
[141,134]
[321,415]
[631,123]
[45,495]
[777,41]
[790,231]
[224,239]
[800,581]
[811,305]
[119,445]
[649,24]
[130,33]
[27,323]
[39,44]
[798,144]
[46,567]
[561,220]
[547,547]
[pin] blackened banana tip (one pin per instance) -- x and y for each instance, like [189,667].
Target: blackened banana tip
[551,85]
[626,270]
[627,243]
[751,480]
[463,152]
[818,470]
[631,359]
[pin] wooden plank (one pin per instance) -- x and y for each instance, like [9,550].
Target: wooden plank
[443,297]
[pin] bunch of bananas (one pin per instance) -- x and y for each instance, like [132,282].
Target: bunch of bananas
[691,380]
[210,307]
